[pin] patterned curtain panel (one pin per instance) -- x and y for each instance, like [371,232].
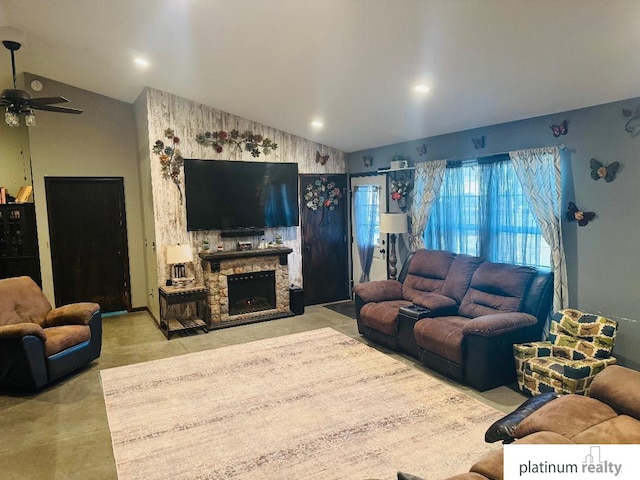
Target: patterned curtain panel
[426,185]
[539,173]
[366,206]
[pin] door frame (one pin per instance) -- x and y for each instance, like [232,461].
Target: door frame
[384,207]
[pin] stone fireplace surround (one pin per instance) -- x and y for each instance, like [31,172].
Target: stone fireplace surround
[217,266]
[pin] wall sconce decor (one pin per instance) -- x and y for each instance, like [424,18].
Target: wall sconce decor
[394,224]
[368,160]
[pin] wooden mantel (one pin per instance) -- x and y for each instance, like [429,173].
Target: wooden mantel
[217,257]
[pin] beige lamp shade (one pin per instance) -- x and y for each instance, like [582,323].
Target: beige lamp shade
[179,254]
[393,223]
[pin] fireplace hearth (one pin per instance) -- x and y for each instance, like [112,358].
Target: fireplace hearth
[251,292]
[246,286]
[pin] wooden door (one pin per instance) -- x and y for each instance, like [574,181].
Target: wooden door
[325,269]
[88,238]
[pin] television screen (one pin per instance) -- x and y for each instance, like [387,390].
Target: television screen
[223,194]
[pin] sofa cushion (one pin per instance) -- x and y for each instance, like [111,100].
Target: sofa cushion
[459,277]
[619,387]
[382,316]
[22,301]
[496,287]
[441,336]
[620,429]
[567,416]
[427,272]
[61,338]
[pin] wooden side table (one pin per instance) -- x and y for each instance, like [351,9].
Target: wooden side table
[171,296]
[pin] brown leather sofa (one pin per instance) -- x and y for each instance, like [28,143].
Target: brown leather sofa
[38,344]
[609,415]
[458,314]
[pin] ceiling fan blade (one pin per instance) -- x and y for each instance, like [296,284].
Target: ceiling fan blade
[48,100]
[51,108]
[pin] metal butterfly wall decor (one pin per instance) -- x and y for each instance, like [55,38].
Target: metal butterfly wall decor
[574,214]
[368,160]
[608,172]
[422,149]
[633,125]
[560,129]
[321,159]
[478,143]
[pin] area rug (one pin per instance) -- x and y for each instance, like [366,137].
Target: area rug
[347,308]
[312,405]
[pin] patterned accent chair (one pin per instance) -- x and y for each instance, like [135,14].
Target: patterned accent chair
[579,347]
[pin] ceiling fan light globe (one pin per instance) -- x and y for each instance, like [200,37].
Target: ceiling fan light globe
[11,118]
[30,119]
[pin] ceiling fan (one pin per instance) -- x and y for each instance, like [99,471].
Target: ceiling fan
[19,101]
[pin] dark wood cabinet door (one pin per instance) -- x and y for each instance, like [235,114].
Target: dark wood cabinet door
[88,238]
[325,270]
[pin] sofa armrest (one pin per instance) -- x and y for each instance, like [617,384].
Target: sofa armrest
[18,330]
[73,314]
[498,323]
[504,429]
[379,291]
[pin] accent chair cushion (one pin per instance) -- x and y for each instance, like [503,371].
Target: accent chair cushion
[577,335]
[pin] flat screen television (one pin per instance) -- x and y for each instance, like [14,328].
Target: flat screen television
[224,194]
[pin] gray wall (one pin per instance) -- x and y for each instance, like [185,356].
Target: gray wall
[99,142]
[602,258]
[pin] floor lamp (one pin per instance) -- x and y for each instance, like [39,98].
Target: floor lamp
[393,223]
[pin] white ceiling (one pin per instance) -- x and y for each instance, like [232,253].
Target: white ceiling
[352,63]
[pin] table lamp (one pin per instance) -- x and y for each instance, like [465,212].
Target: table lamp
[178,255]
[393,223]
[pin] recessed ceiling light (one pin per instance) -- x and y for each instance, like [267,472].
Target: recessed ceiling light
[141,62]
[317,124]
[421,88]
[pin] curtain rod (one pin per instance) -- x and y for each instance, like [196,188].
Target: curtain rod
[561,147]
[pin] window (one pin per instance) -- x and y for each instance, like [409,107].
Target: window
[482,211]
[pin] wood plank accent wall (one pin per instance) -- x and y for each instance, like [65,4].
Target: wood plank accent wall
[188,118]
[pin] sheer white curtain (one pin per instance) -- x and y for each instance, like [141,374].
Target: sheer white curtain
[366,203]
[538,170]
[426,185]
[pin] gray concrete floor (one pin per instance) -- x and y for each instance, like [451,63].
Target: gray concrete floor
[61,432]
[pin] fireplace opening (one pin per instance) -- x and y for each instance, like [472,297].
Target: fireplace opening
[252,292]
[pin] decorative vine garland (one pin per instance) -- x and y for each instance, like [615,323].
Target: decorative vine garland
[247,141]
[170,158]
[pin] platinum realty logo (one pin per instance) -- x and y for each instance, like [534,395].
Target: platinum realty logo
[567,462]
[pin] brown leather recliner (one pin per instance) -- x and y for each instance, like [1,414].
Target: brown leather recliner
[38,344]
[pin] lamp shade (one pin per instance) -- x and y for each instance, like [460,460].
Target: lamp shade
[179,254]
[393,223]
